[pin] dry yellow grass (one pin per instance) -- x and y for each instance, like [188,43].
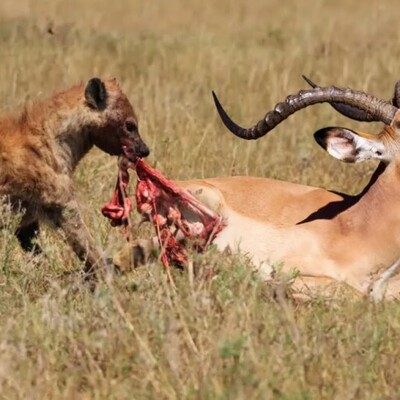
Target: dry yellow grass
[220,336]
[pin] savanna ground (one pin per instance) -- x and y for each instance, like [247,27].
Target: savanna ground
[219,335]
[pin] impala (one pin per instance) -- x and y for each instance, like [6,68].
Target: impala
[326,236]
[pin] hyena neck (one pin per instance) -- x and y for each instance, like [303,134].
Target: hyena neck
[73,143]
[66,123]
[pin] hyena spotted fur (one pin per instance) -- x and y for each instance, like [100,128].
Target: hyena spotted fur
[41,146]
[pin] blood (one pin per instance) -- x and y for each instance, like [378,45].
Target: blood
[160,201]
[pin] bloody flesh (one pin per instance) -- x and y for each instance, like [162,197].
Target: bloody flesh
[166,205]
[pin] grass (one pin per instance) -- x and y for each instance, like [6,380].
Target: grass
[221,335]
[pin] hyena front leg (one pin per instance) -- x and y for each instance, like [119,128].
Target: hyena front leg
[68,217]
[26,233]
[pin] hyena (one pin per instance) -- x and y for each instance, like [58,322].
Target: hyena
[41,146]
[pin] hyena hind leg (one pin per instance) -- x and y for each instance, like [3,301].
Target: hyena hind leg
[26,234]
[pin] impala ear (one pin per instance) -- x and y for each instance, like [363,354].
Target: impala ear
[96,94]
[351,146]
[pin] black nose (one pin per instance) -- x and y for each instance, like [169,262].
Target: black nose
[143,151]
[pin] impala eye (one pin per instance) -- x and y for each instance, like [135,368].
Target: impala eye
[130,126]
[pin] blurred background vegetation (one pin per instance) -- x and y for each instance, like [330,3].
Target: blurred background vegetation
[221,336]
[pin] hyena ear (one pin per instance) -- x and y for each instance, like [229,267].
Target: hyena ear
[351,146]
[96,94]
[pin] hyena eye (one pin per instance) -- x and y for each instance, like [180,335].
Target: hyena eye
[130,126]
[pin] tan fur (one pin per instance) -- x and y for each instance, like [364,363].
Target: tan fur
[324,235]
[41,146]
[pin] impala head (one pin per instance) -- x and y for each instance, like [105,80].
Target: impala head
[114,125]
[353,146]
[344,144]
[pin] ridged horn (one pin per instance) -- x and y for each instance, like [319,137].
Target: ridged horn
[396,95]
[347,111]
[380,110]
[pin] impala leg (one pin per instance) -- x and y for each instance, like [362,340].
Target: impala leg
[133,255]
[379,287]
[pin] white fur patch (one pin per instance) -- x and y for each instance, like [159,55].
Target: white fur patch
[350,147]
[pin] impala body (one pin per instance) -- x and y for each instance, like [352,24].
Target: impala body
[345,241]
[324,235]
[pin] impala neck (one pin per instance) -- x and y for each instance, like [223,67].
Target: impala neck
[378,208]
[377,173]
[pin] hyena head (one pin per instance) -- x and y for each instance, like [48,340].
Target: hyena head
[115,127]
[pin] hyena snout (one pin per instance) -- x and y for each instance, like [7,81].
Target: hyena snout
[142,149]
[136,148]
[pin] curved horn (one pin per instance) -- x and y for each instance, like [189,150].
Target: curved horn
[347,111]
[396,95]
[379,109]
